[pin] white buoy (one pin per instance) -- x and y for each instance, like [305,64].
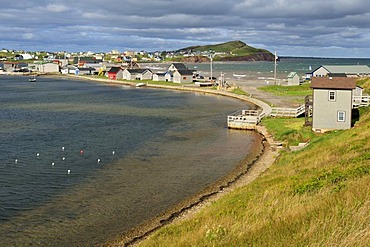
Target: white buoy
[52,163]
[15,161]
[64,158]
[113,152]
[62,148]
[69,171]
[38,154]
[98,160]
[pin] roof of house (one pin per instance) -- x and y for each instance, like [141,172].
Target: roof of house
[180,66]
[137,71]
[114,70]
[333,83]
[185,72]
[86,69]
[347,69]
[292,74]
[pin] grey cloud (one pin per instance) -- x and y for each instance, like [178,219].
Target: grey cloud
[294,27]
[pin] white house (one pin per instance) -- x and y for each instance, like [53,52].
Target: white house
[179,73]
[293,79]
[44,67]
[159,76]
[137,74]
[183,76]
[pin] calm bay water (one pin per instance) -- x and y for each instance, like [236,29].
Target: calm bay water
[156,148]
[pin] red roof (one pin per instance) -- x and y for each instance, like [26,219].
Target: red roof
[333,82]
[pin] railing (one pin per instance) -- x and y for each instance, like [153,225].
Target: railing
[361,101]
[244,119]
[287,112]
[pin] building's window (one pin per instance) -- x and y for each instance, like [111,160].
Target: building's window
[332,95]
[341,116]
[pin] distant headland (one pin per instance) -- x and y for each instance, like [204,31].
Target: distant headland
[229,51]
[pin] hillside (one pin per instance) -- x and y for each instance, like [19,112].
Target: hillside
[315,197]
[232,51]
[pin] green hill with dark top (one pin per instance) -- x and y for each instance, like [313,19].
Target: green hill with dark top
[230,51]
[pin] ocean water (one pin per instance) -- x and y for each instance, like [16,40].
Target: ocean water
[261,70]
[82,163]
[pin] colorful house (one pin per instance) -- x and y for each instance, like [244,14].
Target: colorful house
[332,103]
[115,73]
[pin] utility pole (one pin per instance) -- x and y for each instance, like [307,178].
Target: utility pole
[275,58]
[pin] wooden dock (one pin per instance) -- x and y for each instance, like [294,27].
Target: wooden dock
[287,112]
[244,119]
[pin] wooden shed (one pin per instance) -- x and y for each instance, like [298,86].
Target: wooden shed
[293,79]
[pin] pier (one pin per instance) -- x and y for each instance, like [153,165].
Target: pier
[244,119]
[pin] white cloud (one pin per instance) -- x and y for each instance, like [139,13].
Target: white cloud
[28,36]
[56,8]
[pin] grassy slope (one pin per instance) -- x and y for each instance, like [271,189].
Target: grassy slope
[315,197]
[365,84]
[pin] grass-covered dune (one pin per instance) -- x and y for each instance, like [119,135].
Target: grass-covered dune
[319,196]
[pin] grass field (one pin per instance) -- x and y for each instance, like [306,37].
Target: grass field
[301,90]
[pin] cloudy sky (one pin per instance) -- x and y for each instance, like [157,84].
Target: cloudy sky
[329,28]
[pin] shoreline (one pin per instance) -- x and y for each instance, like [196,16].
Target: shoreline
[252,170]
[249,169]
[246,171]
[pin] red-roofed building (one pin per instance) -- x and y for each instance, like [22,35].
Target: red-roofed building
[115,73]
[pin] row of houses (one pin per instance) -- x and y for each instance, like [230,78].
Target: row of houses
[354,71]
[176,72]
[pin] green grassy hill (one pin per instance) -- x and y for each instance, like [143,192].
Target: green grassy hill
[318,196]
[234,51]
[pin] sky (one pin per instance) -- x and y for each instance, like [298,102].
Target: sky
[314,28]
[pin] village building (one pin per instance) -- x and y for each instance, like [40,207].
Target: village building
[168,76]
[159,76]
[332,103]
[177,66]
[182,76]
[44,67]
[179,73]
[293,79]
[137,74]
[86,71]
[80,61]
[24,56]
[347,70]
[115,73]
